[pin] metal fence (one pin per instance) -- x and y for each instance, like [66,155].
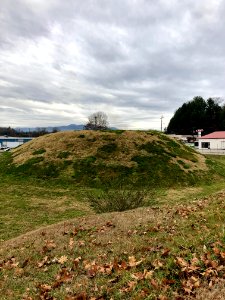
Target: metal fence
[211,151]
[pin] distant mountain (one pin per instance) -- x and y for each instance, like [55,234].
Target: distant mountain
[51,128]
[69,127]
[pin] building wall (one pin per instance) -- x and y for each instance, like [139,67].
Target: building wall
[212,143]
[13,142]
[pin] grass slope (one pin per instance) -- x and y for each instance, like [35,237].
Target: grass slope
[27,204]
[167,252]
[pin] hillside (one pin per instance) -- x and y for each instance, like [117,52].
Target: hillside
[171,248]
[95,158]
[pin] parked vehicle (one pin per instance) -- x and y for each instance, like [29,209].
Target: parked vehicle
[4,148]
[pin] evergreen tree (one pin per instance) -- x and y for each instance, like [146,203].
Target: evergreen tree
[197,114]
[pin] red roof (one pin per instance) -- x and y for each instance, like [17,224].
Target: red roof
[214,135]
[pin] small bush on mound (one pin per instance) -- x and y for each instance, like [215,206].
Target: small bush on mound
[39,151]
[116,199]
[63,154]
[32,168]
[107,150]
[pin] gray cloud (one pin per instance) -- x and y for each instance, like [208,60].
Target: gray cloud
[136,60]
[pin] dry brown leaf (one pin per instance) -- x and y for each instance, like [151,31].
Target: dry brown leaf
[43,262]
[49,245]
[45,287]
[76,261]
[148,274]
[165,252]
[181,262]
[133,262]
[157,264]
[62,259]
[71,243]
[154,283]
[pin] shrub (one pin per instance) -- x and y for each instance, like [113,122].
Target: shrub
[116,199]
[6,161]
[33,168]
[32,161]
[118,131]
[183,164]
[153,148]
[92,139]
[89,171]
[108,148]
[63,154]
[39,151]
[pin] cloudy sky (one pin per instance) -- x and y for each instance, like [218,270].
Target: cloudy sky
[136,60]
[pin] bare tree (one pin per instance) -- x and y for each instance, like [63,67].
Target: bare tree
[97,121]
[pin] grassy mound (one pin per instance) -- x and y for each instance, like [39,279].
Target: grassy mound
[95,159]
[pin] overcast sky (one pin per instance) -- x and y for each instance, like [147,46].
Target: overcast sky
[136,60]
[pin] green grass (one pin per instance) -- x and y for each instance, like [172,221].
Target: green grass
[107,150]
[27,204]
[63,154]
[39,151]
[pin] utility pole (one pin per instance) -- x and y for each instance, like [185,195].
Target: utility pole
[95,122]
[161,122]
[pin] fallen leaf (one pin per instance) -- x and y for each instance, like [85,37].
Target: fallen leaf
[157,264]
[166,281]
[181,262]
[133,262]
[43,262]
[62,259]
[76,261]
[165,252]
[148,274]
[71,243]
[154,283]
[49,245]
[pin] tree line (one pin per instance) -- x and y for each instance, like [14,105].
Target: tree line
[196,114]
[8,131]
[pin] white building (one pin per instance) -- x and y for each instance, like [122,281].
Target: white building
[12,142]
[214,141]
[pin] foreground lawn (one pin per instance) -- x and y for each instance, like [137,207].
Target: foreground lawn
[27,204]
[166,252]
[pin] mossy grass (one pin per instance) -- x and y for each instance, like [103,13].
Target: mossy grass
[63,154]
[39,151]
[28,203]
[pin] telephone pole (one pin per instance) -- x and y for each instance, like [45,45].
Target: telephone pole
[95,122]
[161,122]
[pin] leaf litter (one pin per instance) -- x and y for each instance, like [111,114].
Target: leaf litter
[107,259]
